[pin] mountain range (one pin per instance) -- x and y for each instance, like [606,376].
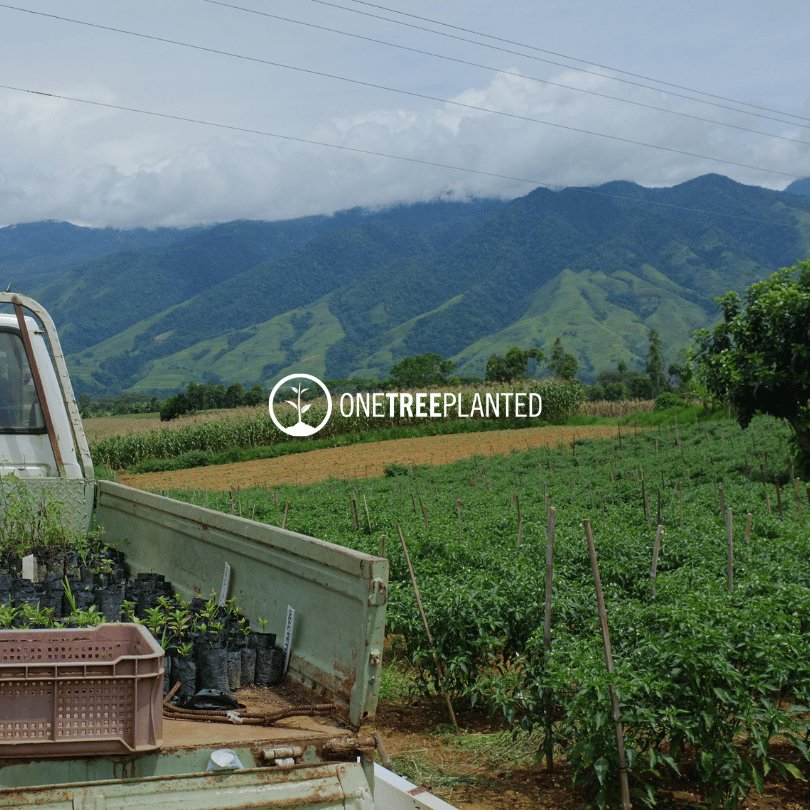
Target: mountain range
[352,293]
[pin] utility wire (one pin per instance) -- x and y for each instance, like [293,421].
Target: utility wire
[563,65]
[576,59]
[410,93]
[370,152]
[503,72]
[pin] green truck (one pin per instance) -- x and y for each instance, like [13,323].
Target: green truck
[337,596]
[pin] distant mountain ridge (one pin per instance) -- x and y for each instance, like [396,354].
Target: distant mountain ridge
[353,293]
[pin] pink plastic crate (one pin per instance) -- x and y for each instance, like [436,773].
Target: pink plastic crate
[80,692]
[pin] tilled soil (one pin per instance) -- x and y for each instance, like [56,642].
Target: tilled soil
[363,460]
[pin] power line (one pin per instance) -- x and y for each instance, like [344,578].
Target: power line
[503,72]
[373,153]
[409,93]
[577,59]
[561,64]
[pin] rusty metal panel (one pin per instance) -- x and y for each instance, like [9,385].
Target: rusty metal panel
[339,594]
[322,787]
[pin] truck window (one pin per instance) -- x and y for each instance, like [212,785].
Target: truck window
[20,411]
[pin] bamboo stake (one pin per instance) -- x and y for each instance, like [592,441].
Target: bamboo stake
[439,669]
[624,785]
[516,501]
[368,516]
[645,503]
[424,512]
[659,533]
[355,521]
[748,519]
[550,526]
[730,549]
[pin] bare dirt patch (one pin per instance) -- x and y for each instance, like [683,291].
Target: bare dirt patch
[363,460]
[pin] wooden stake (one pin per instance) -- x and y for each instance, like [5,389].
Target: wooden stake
[368,517]
[730,550]
[424,511]
[550,526]
[516,502]
[286,512]
[645,503]
[624,785]
[439,669]
[797,486]
[659,533]
[355,521]
[779,500]
[748,519]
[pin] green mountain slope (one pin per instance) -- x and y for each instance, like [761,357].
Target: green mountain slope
[34,253]
[354,293]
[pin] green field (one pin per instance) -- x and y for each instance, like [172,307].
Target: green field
[707,678]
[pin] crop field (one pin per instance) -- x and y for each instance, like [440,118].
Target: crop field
[711,653]
[363,460]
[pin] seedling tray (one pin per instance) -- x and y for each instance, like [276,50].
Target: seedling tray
[80,692]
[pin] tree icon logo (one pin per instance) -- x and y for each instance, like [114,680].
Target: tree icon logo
[295,391]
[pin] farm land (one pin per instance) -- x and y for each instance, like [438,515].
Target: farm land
[711,652]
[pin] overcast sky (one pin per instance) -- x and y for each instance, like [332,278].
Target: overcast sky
[98,166]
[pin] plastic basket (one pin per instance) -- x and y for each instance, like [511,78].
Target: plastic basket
[80,692]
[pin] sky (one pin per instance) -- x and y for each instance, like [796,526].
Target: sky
[455,130]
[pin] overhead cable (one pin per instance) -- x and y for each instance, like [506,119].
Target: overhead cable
[400,91]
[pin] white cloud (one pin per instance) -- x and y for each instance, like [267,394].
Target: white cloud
[96,166]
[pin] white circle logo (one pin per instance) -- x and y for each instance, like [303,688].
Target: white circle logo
[300,428]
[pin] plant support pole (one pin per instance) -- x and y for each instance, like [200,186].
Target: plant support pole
[730,549]
[549,743]
[659,533]
[624,785]
[439,669]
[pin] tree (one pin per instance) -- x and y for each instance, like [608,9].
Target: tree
[655,364]
[421,371]
[514,365]
[563,364]
[758,358]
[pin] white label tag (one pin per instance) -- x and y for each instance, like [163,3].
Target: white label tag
[288,634]
[226,584]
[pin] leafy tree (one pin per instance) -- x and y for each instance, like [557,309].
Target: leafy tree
[562,364]
[514,365]
[655,364]
[621,384]
[421,371]
[758,358]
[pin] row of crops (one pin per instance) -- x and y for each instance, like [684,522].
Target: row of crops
[712,677]
[560,399]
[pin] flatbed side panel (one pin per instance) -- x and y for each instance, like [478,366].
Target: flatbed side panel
[339,595]
[322,787]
